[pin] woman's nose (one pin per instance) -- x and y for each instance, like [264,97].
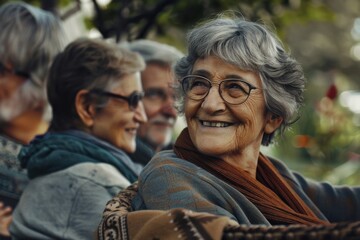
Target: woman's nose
[140,114]
[213,101]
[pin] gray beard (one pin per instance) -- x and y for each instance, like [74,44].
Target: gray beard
[25,98]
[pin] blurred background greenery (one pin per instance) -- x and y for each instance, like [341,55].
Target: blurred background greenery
[323,35]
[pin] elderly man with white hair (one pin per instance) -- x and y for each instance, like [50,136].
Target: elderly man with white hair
[157,80]
[29,40]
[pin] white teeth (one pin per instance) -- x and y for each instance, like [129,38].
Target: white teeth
[215,124]
[206,123]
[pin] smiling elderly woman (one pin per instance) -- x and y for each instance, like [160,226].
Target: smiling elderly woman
[95,92]
[238,87]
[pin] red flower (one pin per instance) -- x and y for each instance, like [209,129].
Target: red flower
[332,92]
[302,141]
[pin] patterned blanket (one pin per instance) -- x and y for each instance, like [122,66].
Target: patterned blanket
[120,222]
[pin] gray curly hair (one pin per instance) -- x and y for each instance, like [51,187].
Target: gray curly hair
[250,46]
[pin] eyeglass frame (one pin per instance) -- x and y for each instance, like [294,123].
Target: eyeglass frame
[130,99]
[251,87]
[14,71]
[159,92]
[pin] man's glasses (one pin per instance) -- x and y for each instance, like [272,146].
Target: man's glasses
[133,99]
[232,91]
[14,71]
[157,95]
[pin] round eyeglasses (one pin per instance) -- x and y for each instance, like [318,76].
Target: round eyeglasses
[133,99]
[232,91]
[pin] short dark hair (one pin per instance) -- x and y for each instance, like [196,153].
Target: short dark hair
[86,64]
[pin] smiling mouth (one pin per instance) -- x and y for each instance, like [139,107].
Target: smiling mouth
[215,124]
[132,130]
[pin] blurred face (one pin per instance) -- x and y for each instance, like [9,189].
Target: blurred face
[16,96]
[159,105]
[220,129]
[116,123]
[9,84]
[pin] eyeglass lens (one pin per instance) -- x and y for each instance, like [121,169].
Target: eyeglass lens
[233,91]
[134,99]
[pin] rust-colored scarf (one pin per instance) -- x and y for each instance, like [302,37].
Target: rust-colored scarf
[270,193]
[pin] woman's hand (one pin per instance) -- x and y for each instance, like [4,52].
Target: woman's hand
[5,219]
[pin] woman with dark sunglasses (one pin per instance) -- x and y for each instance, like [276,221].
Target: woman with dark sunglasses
[96,95]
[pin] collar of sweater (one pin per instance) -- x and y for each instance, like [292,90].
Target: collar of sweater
[53,152]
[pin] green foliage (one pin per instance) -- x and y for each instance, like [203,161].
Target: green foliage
[306,13]
[37,3]
[185,14]
[324,142]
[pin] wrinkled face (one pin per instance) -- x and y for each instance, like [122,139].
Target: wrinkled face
[116,123]
[220,129]
[159,105]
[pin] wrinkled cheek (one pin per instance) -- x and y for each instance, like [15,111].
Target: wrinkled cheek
[239,136]
[190,109]
[189,113]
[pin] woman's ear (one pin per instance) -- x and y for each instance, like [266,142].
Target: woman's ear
[85,110]
[272,123]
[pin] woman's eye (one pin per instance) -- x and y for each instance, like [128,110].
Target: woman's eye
[198,82]
[235,86]
[155,93]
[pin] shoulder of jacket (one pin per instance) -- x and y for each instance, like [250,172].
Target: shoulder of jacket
[100,173]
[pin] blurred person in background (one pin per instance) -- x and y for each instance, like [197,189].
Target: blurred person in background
[80,163]
[29,40]
[157,80]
